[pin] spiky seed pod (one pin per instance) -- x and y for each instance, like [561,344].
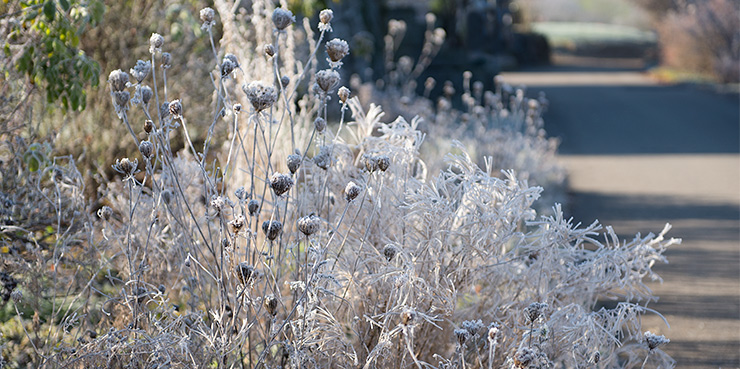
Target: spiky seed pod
[253,206]
[146,94]
[270,50]
[284,81]
[105,212]
[343,94]
[282,18]
[260,95]
[294,162]
[383,162]
[337,49]
[325,17]
[126,166]
[147,149]
[166,60]
[309,224]
[462,336]
[237,224]
[280,183]
[155,43]
[272,229]
[148,126]
[175,108]
[118,80]
[141,70]
[245,273]
[653,340]
[271,304]
[390,251]
[327,80]
[352,191]
[227,66]
[320,124]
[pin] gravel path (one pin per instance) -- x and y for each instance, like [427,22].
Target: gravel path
[641,155]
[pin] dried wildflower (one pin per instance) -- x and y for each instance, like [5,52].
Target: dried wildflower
[327,79]
[473,326]
[523,357]
[390,251]
[245,273]
[535,310]
[155,43]
[146,149]
[218,204]
[462,335]
[141,70]
[253,206]
[383,162]
[237,224]
[105,212]
[233,59]
[294,162]
[282,18]
[272,229]
[271,304]
[166,60]
[336,49]
[284,81]
[227,66]
[309,224]
[323,158]
[343,94]
[325,17]
[352,191]
[175,109]
[237,108]
[118,80]
[241,193]
[280,183]
[120,102]
[653,340]
[146,94]
[206,16]
[493,332]
[148,126]
[260,95]
[320,124]
[408,317]
[126,167]
[371,163]
[270,50]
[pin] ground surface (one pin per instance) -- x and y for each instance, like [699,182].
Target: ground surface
[641,155]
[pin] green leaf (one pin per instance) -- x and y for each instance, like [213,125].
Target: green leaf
[50,10]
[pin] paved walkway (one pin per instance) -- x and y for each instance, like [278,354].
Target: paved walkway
[641,155]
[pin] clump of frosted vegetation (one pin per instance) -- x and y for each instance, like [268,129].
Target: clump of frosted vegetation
[302,244]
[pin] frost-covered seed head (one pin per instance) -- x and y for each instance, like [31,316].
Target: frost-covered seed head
[408,317]
[237,108]
[462,335]
[473,326]
[280,183]
[337,49]
[383,162]
[227,66]
[390,251]
[284,81]
[241,193]
[206,16]
[126,166]
[121,99]
[166,196]
[218,204]
[272,229]
[148,126]
[653,340]
[233,58]
[493,332]
[327,80]
[270,50]
[271,304]
[323,158]
[535,310]
[237,224]
[282,18]
[118,80]
[253,206]
[164,110]
[146,148]
[245,273]
[260,95]
[175,108]
[155,43]
[294,162]
[352,191]
[309,224]
[320,124]
[343,94]
[141,70]
[371,163]
[166,60]
[325,16]
[146,94]
[105,212]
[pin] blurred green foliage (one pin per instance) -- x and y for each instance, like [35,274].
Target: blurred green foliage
[43,44]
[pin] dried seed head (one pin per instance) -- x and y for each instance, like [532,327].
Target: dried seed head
[343,94]
[147,149]
[523,357]
[237,224]
[280,183]
[472,326]
[120,100]
[272,229]
[270,50]
[352,191]
[462,335]
[323,158]
[595,358]
[320,124]
[175,108]
[294,162]
[146,94]
[233,58]
[284,81]
[325,17]
[141,70]
[309,224]
[237,108]
[126,167]
[167,196]
[206,16]
[155,43]
[253,206]
[383,162]
[241,193]
[245,273]
[282,18]
[118,80]
[493,332]
[218,204]
[371,163]
[164,110]
[271,304]
[390,251]
[408,317]
[148,126]
[535,310]
[653,340]
[105,212]
[327,80]
[227,66]
[166,60]
[337,49]
[16,295]
[260,95]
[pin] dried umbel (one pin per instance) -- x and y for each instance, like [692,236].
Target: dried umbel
[146,94]
[141,70]
[280,183]
[272,229]
[294,162]
[253,206]
[327,80]
[390,251]
[245,273]
[269,50]
[118,80]
[352,191]
[282,18]
[218,204]
[309,224]
[535,310]
[155,43]
[337,49]
[148,126]
[323,158]
[175,109]
[653,340]
[343,94]
[237,224]
[260,95]
[126,167]
[320,124]
[472,326]
[207,16]
[383,162]
[462,335]
[146,148]
[105,212]
[325,17]
[271,304]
